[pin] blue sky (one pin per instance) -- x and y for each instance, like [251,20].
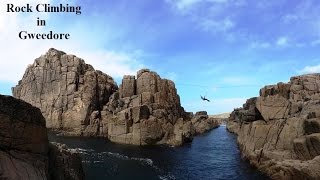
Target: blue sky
[224,49]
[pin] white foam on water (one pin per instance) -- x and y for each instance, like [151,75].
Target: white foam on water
[166,177]
[97,161]
[162,177]
[84,150]
[86,162]
[81,151]
[144,160]
[116,155]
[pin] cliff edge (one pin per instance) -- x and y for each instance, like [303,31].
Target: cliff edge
[279,131]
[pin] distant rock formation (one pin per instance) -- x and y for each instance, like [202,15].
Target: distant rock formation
[221,116]
[279,131]
[24,146]
[203,123]
[77,100]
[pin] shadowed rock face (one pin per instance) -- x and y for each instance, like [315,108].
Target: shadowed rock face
[75,99]
[24,146]
[66,90]
[279,130]
[23,140]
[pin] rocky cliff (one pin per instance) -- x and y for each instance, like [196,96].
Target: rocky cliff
[75,99]
[146,110]
[279,131]
[66,90]
[24,147]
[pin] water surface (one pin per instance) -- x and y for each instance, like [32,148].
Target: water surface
[213,155]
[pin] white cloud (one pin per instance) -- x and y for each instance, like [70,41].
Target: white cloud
[16,54]
[183,4]
[208,15]
[303,21]
[282,41]
[315,42]
[214,25]
[260,45]
[112,63]
[289,18]
[310,69]
[186,4]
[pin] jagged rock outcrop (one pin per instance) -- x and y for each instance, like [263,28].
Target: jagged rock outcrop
[279,130]
[146,110]
[68,91]
[24,146]
[75,99]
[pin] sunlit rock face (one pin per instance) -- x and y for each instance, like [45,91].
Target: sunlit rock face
[279,130]
[77,100]
[67,91]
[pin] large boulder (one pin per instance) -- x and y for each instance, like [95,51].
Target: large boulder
[66,90]
[280,134]
[24,146]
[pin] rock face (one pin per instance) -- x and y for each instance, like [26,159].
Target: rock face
[146,110]
[77,100]
[24,143]
[66,90]
[279,130]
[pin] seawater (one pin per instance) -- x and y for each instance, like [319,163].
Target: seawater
[213,155]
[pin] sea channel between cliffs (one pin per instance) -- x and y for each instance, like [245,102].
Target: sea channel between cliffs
[127,131]
[213,155]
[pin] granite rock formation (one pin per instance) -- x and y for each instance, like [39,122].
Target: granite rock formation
[146,110]
[68,91]
[77,100]
[24,146]
[279,131]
